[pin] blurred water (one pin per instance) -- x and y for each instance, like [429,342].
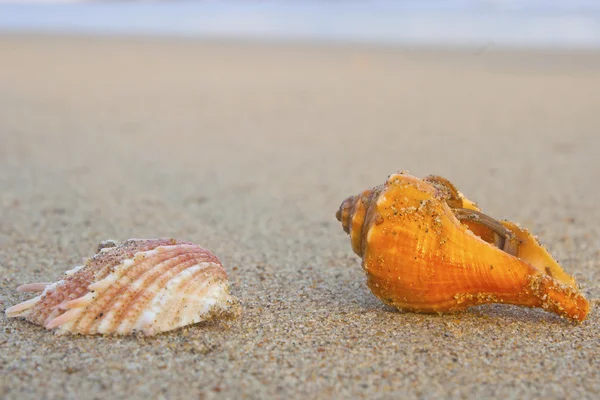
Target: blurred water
[513,23]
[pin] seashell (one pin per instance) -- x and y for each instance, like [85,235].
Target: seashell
[425,247]
[141,285]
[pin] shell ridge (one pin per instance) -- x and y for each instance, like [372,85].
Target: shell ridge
[165,305]
[139,299]
[33,287]
[146,290]
[22,308]
[109,303]
[72,286]
[206,299]
[74,270]
[79,302]
[177,282]
[104,262]
[193,291]
[49,295]
[64,318]
[99,311]
[122,306]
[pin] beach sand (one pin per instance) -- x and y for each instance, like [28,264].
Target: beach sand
[249,149]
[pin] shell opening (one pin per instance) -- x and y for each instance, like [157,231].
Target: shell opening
[502,237]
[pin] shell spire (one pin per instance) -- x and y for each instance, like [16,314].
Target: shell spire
[425,247]
[142,285]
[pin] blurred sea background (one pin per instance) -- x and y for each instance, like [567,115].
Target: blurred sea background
[504,23]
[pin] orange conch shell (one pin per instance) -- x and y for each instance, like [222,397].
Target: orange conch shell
[425,247]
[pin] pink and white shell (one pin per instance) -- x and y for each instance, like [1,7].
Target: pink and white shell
[141,285]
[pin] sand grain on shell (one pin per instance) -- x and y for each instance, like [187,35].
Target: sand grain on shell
[249,150]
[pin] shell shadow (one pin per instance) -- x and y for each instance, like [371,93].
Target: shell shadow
[501,312]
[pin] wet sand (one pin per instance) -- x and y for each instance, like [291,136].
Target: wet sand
[248,149]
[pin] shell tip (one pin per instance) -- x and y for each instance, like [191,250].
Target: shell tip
[18,309]
[33,287]
[63,319]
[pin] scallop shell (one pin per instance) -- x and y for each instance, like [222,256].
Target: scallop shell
[425,247]
[142,285]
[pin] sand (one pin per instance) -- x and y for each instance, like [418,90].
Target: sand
[248,149]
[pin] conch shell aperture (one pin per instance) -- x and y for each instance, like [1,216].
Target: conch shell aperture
[141,285]
[425,247]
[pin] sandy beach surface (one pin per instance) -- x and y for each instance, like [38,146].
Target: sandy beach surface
[248,150]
